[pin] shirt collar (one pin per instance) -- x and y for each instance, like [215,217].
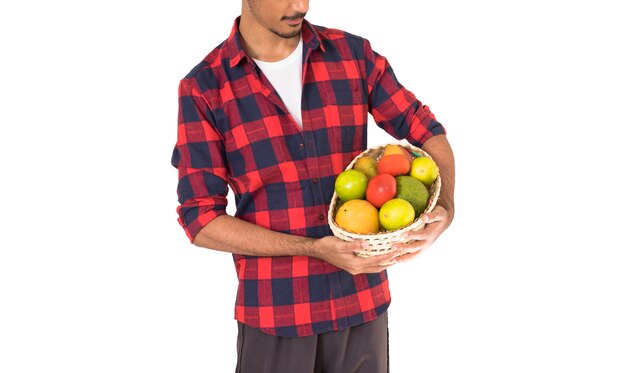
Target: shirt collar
[235,51]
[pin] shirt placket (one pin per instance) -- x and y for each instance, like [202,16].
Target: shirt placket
[309,146]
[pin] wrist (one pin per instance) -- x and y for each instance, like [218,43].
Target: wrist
[310,247]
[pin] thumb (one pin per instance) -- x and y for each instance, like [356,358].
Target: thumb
[436,215]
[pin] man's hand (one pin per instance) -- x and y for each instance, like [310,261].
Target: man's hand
[436,222]
[341,254]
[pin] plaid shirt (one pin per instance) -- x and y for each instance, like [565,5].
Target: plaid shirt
[234,130]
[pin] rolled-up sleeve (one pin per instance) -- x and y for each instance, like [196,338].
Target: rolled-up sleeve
[199,158]
[394,108]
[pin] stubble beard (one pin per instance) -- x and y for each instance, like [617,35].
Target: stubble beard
[286,36]
[254,9]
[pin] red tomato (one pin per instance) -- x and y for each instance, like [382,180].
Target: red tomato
[380,189]
[394,165]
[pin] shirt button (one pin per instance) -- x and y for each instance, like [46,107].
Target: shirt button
[321,217]
[316,180]
[302,146]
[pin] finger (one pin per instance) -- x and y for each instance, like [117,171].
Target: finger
[377,269]
[356,245]
[438,214]
[385,259]
[408,257]
[412,246]
[420,234]
[428,232]
[381,266]
[375,261]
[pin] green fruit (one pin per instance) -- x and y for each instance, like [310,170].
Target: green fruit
[395,214]
[351,184]
[367,165]
[413,191]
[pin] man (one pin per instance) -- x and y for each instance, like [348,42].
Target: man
[276,112]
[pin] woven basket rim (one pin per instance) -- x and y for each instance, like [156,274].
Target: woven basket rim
[384,237]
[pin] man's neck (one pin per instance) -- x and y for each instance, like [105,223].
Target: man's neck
[264,45]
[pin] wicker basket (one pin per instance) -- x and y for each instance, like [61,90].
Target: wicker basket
[380,243]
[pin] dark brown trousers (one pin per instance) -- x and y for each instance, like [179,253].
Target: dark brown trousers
[360,349]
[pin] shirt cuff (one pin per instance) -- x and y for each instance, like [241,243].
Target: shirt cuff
[193,219]
[424,127]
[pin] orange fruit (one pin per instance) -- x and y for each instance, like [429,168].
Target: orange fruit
[351,184]
[394,165]
[397,149]
[395,214]
[425,170]
[358,216]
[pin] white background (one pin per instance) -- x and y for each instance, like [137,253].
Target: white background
[97,276]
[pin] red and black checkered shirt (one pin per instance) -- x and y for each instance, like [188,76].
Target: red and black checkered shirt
[234,130]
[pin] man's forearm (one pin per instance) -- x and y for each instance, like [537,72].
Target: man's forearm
[439,148]
[233,235]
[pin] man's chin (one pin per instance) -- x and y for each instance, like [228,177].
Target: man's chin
[287,35]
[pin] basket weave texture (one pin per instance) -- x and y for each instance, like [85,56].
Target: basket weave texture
[380,243]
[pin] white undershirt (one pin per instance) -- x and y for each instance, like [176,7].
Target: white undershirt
[286,76]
